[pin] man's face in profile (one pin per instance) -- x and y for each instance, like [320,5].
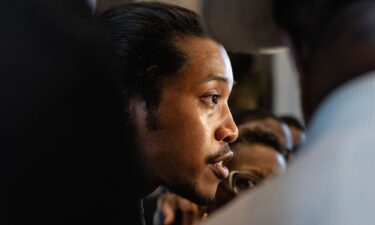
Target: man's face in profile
[188,150]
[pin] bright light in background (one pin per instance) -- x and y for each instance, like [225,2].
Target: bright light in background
[92,4]
[286,92]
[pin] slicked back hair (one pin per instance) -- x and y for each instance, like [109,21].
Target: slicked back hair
[144,37]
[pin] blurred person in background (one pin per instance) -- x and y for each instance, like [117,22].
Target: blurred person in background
[266,120]
[333,46]
[258,156]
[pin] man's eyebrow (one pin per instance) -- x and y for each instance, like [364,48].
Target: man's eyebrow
[214,78]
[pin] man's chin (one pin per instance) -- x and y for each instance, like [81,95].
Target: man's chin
[202,200]
[194,195]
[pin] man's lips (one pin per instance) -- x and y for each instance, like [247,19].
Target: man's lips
[218,164]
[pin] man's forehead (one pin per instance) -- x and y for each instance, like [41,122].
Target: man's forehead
[220,78]
[207,61]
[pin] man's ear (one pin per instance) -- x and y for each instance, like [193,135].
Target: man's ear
[138,112]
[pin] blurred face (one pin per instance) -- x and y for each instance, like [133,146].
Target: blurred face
[251,165]
[258,161]
[189,149]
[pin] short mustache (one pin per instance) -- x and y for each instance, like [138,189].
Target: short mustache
[213,158]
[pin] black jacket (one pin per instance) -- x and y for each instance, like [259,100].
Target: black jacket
[63,156]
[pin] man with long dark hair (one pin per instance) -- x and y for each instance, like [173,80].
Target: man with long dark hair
[175,84]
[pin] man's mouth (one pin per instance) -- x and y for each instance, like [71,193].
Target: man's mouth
[218,164]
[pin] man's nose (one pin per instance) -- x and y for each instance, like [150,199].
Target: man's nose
[228,131]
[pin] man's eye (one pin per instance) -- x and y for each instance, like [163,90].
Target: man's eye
[211,99]
[214,99]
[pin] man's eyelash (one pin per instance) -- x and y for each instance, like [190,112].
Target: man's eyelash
[213,99]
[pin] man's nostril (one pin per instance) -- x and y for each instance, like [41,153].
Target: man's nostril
[227,139]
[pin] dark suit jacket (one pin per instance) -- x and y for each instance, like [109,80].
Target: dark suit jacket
[63,156]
